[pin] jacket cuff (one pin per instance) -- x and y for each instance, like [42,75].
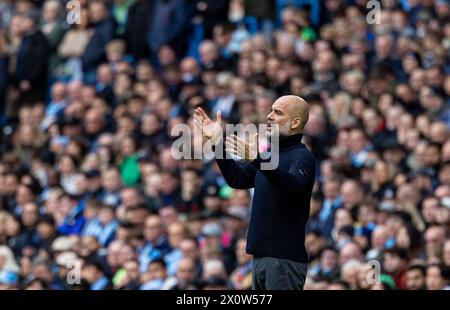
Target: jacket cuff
[257,162]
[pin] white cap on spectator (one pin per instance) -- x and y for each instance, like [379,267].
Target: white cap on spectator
[65,258]
[62,244]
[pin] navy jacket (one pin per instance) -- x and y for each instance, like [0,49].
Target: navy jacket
[32,65]
[95,49]
[4,63]
[281,199]
[139,16]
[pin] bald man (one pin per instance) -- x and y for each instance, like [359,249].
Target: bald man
[280,207]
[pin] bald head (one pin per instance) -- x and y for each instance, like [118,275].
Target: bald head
[298,108]
[291,113]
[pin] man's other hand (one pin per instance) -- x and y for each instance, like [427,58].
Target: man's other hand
[247,150]
[210,130]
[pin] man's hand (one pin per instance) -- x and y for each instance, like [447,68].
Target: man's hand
[210,130]
[246,150]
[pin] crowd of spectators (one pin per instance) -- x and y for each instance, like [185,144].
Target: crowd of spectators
[88,182]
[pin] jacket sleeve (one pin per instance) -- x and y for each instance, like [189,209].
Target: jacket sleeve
[293,181]
[238,174]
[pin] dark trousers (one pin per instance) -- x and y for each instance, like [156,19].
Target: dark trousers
[278,274]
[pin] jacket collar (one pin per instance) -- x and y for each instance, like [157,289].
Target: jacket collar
[288,141]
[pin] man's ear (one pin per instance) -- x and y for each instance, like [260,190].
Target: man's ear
[296,122]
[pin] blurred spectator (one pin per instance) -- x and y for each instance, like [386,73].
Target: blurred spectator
[52,28]
[415,277]
[104,29]
[241,277]
[31,71]
[73,46]
[93,273]
[167,25]
[437,277]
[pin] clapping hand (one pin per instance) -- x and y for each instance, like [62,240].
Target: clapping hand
[247,150]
